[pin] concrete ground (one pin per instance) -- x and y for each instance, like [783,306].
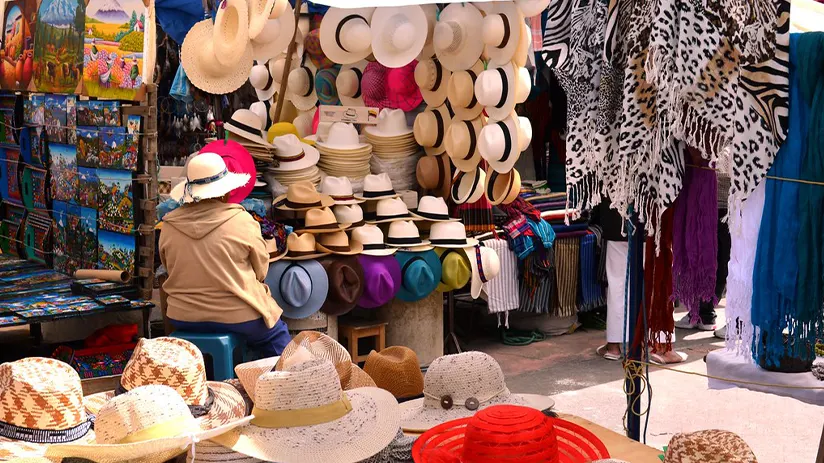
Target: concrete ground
[778,429]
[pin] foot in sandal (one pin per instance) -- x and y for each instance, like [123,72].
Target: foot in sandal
[610,351]
[667,358]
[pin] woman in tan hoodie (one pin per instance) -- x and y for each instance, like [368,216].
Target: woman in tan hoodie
[216,260]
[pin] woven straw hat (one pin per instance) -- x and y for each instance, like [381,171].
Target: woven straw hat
[501,31]
[396,34]
[461,93]
[349,213]
[495,89]
[499,144]
[404,234]
[433,80]
[322,220]
[302,246]
[708,446]
[339,189]
[315,344]
[462,143]
[349,83]
[434,175]
[303,416]
[371,237]
[302,196]
[261,11]
[485,266]
[456,386]
[338,243]
[293,154]
[397,370]
[432,209]
[468,187]
[177,363]
[377,186]
[455,36]
[390,210]
[300,86]
[41,403]
[148,424]
[503,188]
[345,34]
[274,37]
[430,128]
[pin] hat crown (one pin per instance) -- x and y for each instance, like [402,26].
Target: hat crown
[247,117]
[404,229]
[302,192]
[709,446]
[494,29]
[399,32]
[259,76]
[339,238]
[433,205]
[392,122]
[461,89]
[426,74]
[489,87]
[463,376]
[342,134]
[41,393]
[397,370]
[492,142]
[516,430]
[287,145]
[368,234]
[355,36]
[296,286]
[300,242]
[172,362]
[270,32]
[377,183]
[313,344]
[320,216]
[391,207]
[351,213]
[448,36]
[123,417]
[447,231]
[260,109]
[336,186]
[348,83]
[310,384]
[300,80]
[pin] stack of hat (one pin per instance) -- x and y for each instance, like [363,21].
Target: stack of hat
[247,128]
[343,154]
[296,160]
[394,147]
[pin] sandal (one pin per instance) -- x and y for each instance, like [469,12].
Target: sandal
[603,352]
[659,359]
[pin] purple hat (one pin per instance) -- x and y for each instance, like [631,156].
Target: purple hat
[382,279]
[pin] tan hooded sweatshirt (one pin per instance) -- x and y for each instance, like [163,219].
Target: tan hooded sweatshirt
[217,260]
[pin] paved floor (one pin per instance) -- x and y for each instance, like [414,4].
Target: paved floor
[778,429]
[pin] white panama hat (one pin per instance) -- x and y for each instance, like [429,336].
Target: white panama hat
[499,144]
[263,109]
[207,177]
[377,186]
[300,87]
[396,35]
[371,237]
[523,85]
[489,268]
[501,32]
[468,187]
[346,35]
[292,154]
[495,89]
[450,235]
[404,234]
[531,8]
[247,124]
[261,11]
[340,189]
[391,123]
[433,80]
[390,210]
[524,133]
[231,31]
[348,83]
[342,136]
[262,81]
[432,209]
[275,36]
[455,36]
[349,213]
[278,63]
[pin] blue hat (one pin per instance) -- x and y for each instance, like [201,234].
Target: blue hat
[299,287]
[421,273]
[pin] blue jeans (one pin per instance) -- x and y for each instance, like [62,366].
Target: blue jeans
[268,341]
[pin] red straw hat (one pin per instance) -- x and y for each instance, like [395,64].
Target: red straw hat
[508,433]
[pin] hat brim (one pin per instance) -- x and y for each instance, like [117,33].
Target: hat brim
[257,138]
[379,252]
[470,242]
[319,231]
[311,156]
[471,50]
[497,55]
[416,214]
[390,219]
[354,249]
[475,283]
[375,198]
[373,131]
[417,418]
[380,47]
[264,51]
[320,286]
[514,151]
[328,42]
[227,82]
[257,20]
[216,189]
[325,201]
[363,432]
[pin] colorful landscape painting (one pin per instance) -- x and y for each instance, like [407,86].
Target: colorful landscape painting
[58,45]
[62,246]
[114,199]
[113,150]
[87,186]
[86,239]
[113,48]
[56,117]
[88,147]
[17,61]
[63,172]
[116,251]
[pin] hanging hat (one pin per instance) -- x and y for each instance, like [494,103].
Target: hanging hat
[261,11]
[455,269]
[501,31]
[450,235]
[503,188]
[275,36]
[371,237]
[302,246]
[321,220]
[404,234]
[391,124]
[314,51]
[238,161]
[431,13]
[178,364]
[461,143]
[708,446]
[41,403]
[262,82]
[456,38]
[396,34]
[485,266]
[346,281]
[351,214]
[520,433]
[325,86]
[495,89]
[391,88]
[523,86]
[433,80]
[292,154]
[299,286]
[456,386]
[499,144]
[150,424]
[247,125]
[396,369]
[461,93]
[524,133]
[374,85]
[349,83]
[390,210]
[383,280]
[207,177]
[300,87]
[231,32]
[420,272]
[377,186]
[339,189]
[432,209]
[338,243]
[343,136]
[278,63]
[345,34]
[303,124]
[263,110]
[522,51]
[434,175]
[468,187]
[430,128]
[531,8]
[312,344]
[354,425]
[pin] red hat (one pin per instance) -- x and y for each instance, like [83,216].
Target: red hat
[508,432]
[239,161]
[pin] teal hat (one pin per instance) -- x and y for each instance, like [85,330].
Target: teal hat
[420,274]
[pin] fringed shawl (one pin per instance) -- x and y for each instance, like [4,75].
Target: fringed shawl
[658,286]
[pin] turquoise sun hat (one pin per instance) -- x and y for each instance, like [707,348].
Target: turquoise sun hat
[420,274]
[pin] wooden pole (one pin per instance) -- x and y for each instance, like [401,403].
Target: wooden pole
[289,52]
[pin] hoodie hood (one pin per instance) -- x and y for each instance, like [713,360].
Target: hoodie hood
[199,219]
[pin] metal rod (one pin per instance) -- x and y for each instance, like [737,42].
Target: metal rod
[635,346]
[288,66]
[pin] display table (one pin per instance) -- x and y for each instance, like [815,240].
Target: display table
[620,447]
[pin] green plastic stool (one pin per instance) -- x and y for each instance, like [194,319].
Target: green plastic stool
[221,347]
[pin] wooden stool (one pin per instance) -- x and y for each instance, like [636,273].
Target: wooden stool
[353,331]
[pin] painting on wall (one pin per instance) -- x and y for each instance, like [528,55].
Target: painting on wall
[58,45]
[116,251]
[17,63]
[113,48]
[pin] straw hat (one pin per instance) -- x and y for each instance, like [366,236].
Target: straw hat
[300,88]
[461,93]
[342,136]
[524,132]
[434,175]
[247,124]
[531,8]
[495,89]
[377,186]
[263,109]
[520,433]
[501,31]
[345,34]
[292,154]
[275,36]
[303,123]
[278,64]
[276,249]
[708,446]
[523,86]
[485,267]
[397,370]
[450,235]
[200,50]
[455,36]
[325,87]
[262,81]
[522,51]
[468,187]
[390,210]
[404,234]
[349,83]
[351,214]
[261,11]
[339,189]
[462,143]
[456,386]
[338,243]
[345,284]
[499,144]
[396,34]
[455,269]
[431,13]
[503,188]
[41,403]
[383,280]
[321,220]
[312,344]
[432,209]
[302,196]
[420,273]
[299,286]
[302,246]
[391,124]
[433,80]
[207,177]
[430,128]
[371,237]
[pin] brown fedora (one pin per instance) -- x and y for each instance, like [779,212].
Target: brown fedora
[397,370]
[322,220]
[502,188]
[302,246]
[338,243]
[345,284]
[434,175]
[462,93]
[302,196]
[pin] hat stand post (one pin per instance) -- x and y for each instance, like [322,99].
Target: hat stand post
[288,66]
[451,336]
[635,270]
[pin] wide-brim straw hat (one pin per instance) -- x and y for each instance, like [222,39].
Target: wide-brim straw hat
[485,266]
[708,446]
[432,209]
[275,37]
[461,93]
[456,386]
[307,99]
[351,74]
[430,128]
[503,188]
[302,196]
[397,370]
[316,344]
[338,244]
[434,175]
[499,143]
[247,124]
[197,56]
[495,89]
[334,24]
[261,11]
[462,143]
[207,177]
[456,39]
[501,31]
[396,34]
[433,80]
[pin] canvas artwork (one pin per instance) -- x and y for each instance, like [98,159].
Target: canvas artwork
[75,240]
[35,179]
[113,49]
[86,237]
[55,118]
[7,134]
[88,147]
[71,119]
[62,233]
[115,200]
[88,114]
[58,45]
[63,172]
[116,251]
[109,112]
[113,150]
[36,237]
[37,156]
[10,237]
[34,277]
[10,187]
[18,44]
[11,320]
[87,187]
[38,111]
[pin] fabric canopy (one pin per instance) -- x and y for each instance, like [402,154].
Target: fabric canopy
[176,17]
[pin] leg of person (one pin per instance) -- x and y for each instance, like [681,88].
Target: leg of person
[617,252]
[268,341]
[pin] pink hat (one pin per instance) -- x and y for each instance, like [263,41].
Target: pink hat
[238,161]
[391,88]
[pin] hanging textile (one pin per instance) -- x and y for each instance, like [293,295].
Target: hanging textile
[592,293]
[695,240]
[502,292]
[566,276]
[658,286]
[538,282]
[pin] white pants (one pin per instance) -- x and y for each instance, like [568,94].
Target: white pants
[617,252]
